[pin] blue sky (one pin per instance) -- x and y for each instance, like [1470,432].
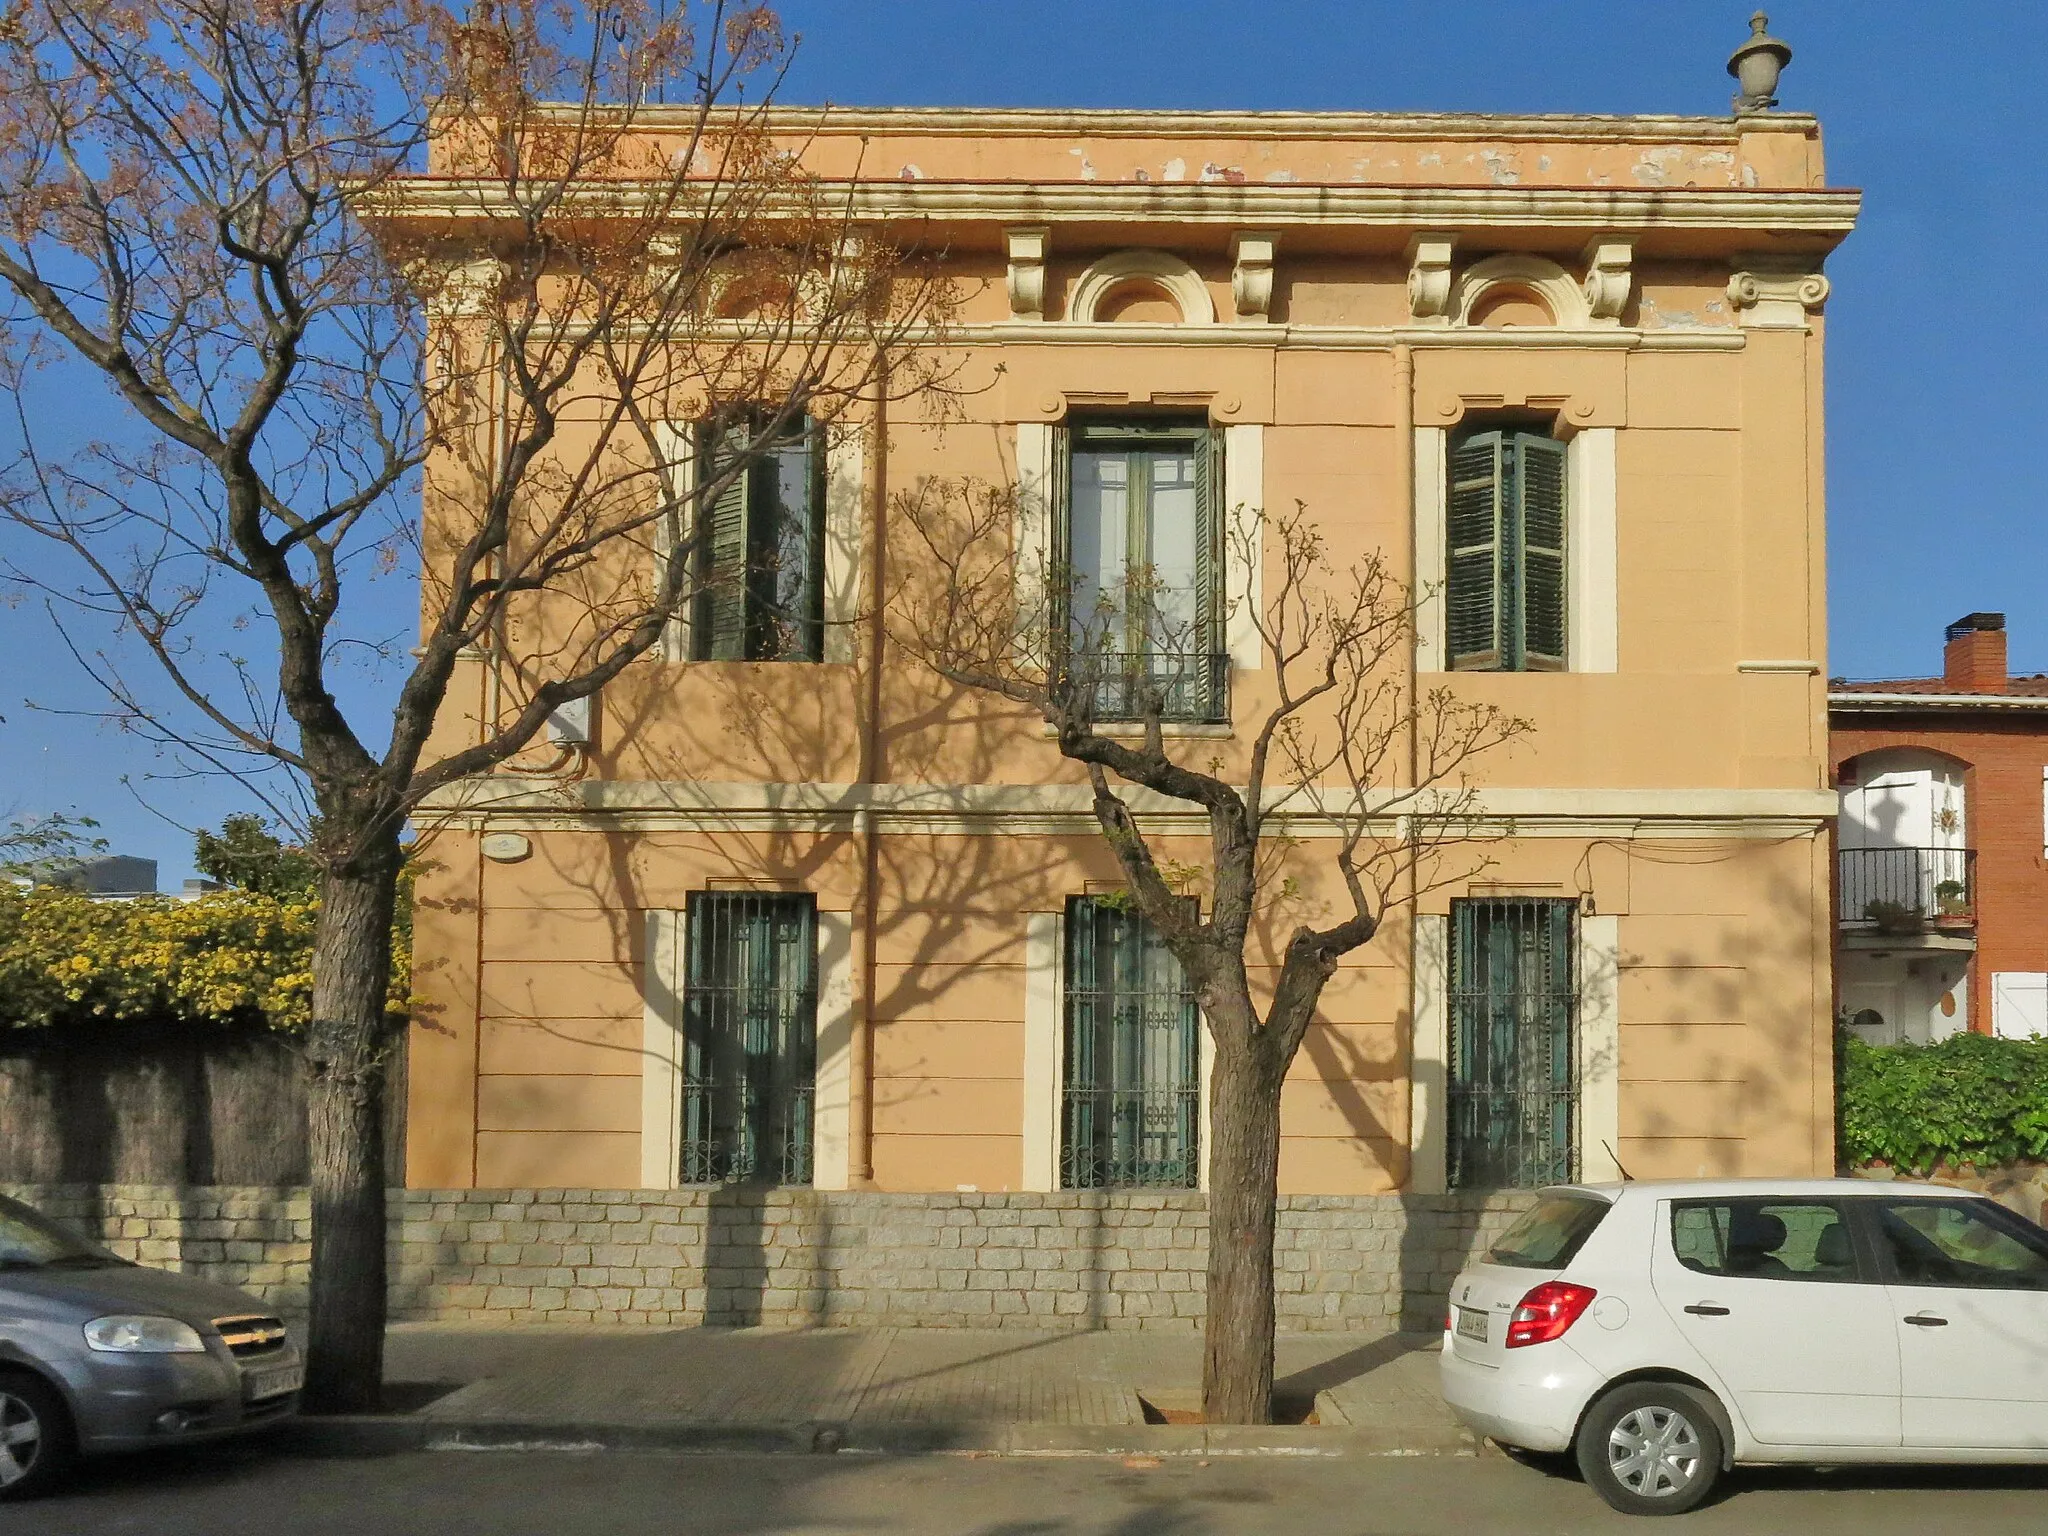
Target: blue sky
[1935,338]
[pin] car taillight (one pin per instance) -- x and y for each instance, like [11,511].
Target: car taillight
[1546,1312]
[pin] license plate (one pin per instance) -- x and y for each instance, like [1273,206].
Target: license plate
[257,1385]
[1472,1324]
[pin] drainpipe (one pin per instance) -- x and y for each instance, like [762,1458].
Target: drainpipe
[860,1172]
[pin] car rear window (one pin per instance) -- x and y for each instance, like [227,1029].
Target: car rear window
[1551,1235]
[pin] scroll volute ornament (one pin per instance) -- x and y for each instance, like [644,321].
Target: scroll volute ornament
[1429,278]
[1776,292]
[1251,274]
[1027,251]
[1610,278]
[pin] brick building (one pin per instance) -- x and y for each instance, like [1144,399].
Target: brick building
[1942,886]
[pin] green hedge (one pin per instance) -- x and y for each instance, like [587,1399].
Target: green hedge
[1968,1099]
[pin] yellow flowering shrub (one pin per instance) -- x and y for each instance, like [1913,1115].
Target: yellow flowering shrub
[233,957]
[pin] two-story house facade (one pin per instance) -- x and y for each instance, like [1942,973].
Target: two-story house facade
[806,917]
[1942,891]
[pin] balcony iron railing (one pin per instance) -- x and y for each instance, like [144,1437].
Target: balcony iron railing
[1130,685]
[1908,890]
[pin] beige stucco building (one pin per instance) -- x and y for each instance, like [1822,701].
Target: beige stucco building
[800,921]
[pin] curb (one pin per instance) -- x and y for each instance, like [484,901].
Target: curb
[386,1435]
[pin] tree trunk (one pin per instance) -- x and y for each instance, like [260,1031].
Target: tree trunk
[345,1048]
[1244,1189]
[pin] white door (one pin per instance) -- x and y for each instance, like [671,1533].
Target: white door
[2019,1004]
[1969,1296]
[1773,1296]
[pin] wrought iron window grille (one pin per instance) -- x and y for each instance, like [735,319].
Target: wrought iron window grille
[750,1039]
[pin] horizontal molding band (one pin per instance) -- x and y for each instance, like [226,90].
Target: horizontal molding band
[1138,123]
[1825,211]
[1896,703]
[1008,810]
[1282,337]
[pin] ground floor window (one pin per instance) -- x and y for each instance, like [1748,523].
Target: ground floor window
[1513,1067]
[750,1037]
[1131,1109]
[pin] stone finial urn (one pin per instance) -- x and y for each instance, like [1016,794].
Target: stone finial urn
[1756,66]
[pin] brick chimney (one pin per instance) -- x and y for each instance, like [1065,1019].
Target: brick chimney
[1975,658]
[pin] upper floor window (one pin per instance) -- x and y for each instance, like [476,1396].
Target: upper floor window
[1141,541]
[760,562]
[1505,573]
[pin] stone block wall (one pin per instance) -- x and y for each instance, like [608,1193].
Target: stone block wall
[796,1258]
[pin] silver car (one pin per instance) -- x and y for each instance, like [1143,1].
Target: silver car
[98,1354]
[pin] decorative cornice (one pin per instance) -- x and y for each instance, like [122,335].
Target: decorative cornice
[1251,273]
[1124,122]
[1826,214]
[1027,247]
[1776,292]
[504,803]
[1909,703]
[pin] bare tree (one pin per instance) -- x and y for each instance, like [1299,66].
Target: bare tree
[326,257]
[1343,756]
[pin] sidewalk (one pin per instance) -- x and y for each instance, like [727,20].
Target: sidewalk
[934,1389]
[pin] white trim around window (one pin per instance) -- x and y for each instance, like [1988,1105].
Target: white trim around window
[1592,596]
[1044,938]
[832,1098]
[1244,512]
[1031,530]
[1430,1060]
[661,1052]
[1599,1061]
[845,496]
[1592,592]
[676,442]
[1432,499]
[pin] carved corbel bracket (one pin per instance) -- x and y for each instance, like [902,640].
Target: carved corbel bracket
[1610,277]
[453,288]
[1251,273]
[1429,278]
[1027,249]
[1776,293]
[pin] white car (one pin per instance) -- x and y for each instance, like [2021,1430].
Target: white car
[1664,1332]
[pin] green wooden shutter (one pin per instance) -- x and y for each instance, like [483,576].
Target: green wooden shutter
[1211,518]
[1058,598]
[1540,515]
[1472,588]
[720,623]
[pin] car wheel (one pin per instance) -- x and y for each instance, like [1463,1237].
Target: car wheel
[35,1436]
[1650,1449]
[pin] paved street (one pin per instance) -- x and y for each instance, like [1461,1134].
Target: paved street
[228,1492]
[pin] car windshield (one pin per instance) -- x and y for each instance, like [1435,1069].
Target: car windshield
[1549,1236]
[30,1240]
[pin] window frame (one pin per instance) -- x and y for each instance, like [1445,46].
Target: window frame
[1458,996]
[1067,1151]
[1116,697]
[699,1089]
[1849,1212]
[2027,1233]
[760,617]
[1509,548]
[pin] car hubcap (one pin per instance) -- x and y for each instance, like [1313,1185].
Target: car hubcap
[1654,1452]
[21,1434]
